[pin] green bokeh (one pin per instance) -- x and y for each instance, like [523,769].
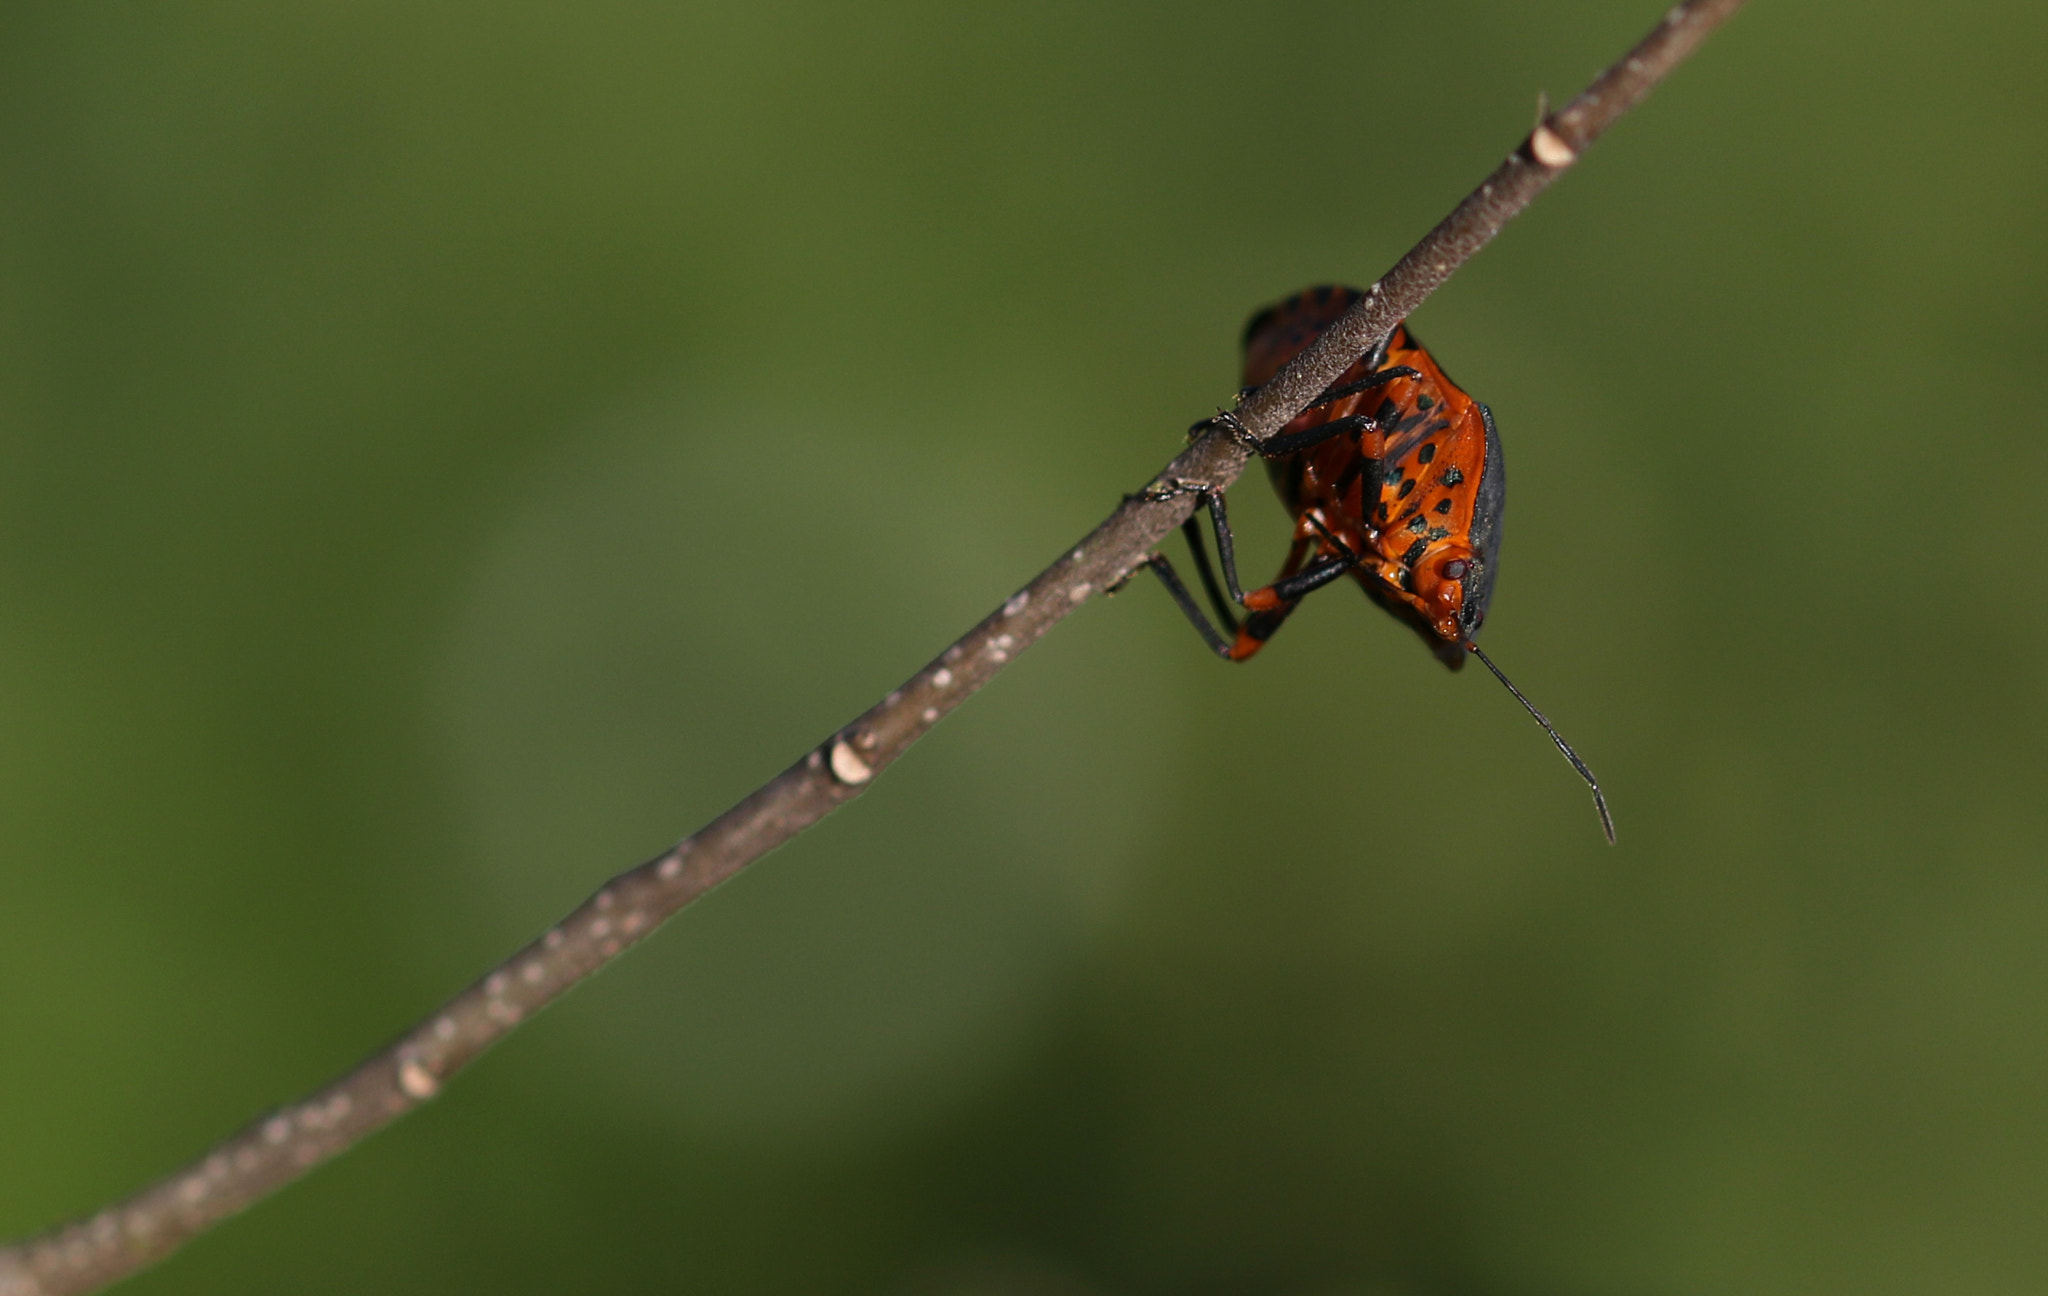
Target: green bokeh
[448,451]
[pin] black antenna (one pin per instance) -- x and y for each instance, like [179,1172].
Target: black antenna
[1599,801]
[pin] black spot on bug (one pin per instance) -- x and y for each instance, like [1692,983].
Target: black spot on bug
[1406,486]
[1420,525]
[1413,552]
[1426,453]
[1452,476]
[1383,510]
[1434,534]
[1424,402]
[1442,505]
[1406,513]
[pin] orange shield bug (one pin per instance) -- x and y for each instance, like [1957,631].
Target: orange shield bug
[1393,476]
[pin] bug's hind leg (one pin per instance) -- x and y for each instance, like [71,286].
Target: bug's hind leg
[1268,607]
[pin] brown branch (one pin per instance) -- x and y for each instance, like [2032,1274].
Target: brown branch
[278,1148]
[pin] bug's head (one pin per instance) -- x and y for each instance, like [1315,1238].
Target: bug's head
[1442,598]
[1453,585]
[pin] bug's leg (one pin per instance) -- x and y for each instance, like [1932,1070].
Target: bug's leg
[1170,488]
[1226,614]
[1257,628]
[1345,556]
[1268,611]
[1297,587]
[1292,442]
[1367,383]
[1226,546]
[1270,605]
[1174,488]
[1232,426]
[1227,420]
[1191,609]
[1287,443]
[1220,641]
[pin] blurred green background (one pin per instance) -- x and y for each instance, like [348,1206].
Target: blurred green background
[448,451]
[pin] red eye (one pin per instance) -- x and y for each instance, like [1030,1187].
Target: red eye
[1456,568]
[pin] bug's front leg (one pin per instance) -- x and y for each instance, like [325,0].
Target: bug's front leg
[1211,499]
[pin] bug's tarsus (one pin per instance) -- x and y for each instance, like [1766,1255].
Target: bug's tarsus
[1599,800]
[1170,489]
[1233,427]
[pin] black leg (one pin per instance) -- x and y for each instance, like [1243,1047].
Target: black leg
[1318,574]
[1289,587]
[1226,553]
[1242,638]
[1380,379]
[1227,615]
[1226,543]
[1185,601]
[1290,443]
[1287,443]
[1343,550]
[1226,546]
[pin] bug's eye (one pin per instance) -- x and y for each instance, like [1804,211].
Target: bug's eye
[1456,568]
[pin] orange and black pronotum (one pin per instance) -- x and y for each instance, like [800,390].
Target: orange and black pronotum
[1394,475]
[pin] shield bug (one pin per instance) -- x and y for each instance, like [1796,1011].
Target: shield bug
[1394,476]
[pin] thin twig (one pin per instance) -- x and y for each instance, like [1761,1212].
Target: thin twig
[278,1148]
